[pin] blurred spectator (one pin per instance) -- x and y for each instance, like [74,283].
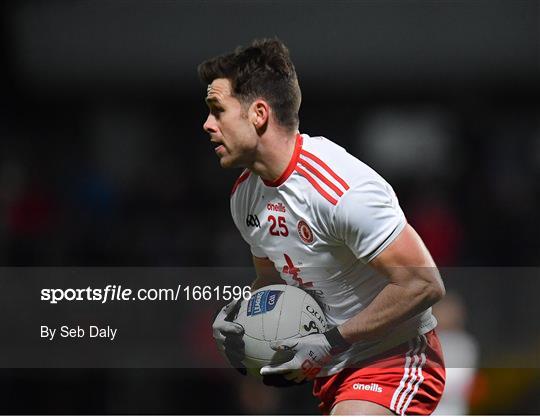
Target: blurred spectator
[460,353]
[434,219]
[409,143]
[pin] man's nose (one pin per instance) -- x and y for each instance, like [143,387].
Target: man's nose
[209,125]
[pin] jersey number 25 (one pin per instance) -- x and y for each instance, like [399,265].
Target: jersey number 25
[276,224]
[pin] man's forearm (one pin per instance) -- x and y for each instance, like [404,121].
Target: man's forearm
[266,273]
[393,305]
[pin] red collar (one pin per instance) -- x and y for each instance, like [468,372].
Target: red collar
[292,164]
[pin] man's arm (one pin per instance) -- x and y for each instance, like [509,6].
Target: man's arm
[415,284]
[267,273]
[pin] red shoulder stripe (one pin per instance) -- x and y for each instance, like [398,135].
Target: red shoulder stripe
[316,185]
[314,170]
[240,180]
[326,167]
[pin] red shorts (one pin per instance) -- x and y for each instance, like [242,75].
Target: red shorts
[408,379]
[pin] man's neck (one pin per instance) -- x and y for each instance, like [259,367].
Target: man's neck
[274,154]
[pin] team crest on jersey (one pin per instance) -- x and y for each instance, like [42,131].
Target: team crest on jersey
[305,232]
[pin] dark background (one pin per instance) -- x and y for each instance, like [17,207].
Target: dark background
[103,161]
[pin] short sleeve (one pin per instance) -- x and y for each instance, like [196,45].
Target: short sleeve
[368,218]
[255,250]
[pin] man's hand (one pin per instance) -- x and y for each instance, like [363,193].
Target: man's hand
[311,354]
[228,335]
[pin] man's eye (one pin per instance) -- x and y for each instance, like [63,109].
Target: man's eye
[216,110]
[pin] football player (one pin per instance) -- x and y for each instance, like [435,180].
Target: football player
[326,222]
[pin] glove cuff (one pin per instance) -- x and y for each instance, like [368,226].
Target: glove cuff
[337,343]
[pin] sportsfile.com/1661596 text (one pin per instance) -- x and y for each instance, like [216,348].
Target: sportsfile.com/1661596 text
[120,293]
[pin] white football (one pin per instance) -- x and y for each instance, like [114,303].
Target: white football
[276,312]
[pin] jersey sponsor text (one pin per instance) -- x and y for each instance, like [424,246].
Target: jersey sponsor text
[276,207]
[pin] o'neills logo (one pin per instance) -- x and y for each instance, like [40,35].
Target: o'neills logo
[305,232]
[365,387]
[276,207]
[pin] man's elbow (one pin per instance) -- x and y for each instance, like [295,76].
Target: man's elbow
[434,292]
[428,291]
[437,294]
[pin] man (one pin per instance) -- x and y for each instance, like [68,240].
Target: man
[324,221]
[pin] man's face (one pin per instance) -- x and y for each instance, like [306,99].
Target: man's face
[228,125]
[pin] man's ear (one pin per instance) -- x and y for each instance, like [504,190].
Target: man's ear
[259,113]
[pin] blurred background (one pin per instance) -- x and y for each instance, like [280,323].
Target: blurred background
[103,162]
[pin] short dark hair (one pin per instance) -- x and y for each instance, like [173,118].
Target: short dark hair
[262,69]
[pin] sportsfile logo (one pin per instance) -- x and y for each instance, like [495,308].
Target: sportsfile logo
[365,387]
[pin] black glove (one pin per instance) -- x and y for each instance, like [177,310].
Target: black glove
[228,335]
[311,353]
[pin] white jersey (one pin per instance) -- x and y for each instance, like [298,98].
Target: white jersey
[321,223]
